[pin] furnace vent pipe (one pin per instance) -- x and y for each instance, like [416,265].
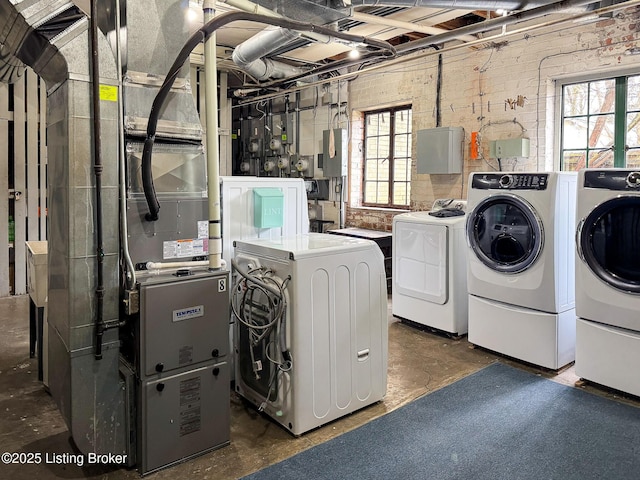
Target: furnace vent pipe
[213,141]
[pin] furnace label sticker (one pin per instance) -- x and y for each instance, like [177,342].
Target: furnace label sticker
[203,229]
[190,413]
[191,247]
[187,313]
[108,93]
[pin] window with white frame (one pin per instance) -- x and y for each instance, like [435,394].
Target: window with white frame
[600,125]
[387,158]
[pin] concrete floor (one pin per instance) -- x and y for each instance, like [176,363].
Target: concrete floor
[419,362]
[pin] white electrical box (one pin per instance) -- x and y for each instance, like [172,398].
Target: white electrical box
[440,150]
[509,147]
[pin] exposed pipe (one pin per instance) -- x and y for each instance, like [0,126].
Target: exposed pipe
[201,34]
[213,141]
[495,23]
[248,55]
[97,167]
[409,26]
[459,4]
[481,27]
[124,234]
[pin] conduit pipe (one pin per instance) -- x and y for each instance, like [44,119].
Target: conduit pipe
[97,168]
[213,141]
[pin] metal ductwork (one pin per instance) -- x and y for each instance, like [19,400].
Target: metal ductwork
[53,38]
[249,54]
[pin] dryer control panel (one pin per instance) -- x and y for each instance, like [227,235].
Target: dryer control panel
[612,179]
[510,181]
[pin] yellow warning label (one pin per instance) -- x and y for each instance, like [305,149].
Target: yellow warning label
[284,137]
[108,93]
[234,136]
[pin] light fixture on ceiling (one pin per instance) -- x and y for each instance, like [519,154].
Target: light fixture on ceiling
[354,53]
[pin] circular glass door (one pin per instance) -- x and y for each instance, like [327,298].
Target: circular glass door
[610,242]
[505,233]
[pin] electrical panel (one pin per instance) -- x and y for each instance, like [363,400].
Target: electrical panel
[334,152]
[509,147]
[440,150]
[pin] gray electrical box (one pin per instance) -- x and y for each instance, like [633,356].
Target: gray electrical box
[509,147]
[334,153]
[439,150]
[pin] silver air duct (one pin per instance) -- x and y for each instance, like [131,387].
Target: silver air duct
[53,38]
[248,55]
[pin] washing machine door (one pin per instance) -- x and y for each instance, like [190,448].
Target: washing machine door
[608,241]
[505,233]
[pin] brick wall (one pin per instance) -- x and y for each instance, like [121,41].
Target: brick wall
[478,86]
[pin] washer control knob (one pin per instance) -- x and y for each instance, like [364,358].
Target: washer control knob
[633,179]
[506,181]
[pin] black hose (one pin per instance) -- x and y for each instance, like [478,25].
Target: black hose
[97,167]
[191,43]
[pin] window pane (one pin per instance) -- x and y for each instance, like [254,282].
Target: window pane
[383,169]
[601,131]
[602,96]
[573,160]
[400,193]
[575,99]
[633,129]
[383,147]
[370,192]
[574,134]
[372,148]
[633,93]
[401,146]
[401,170]
[402,121]
[384,126]
[600,159]
[372,123]
[383,192]
[371,170]
[633,158]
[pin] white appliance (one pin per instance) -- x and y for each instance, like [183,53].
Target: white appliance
[608,278]
[238,215]
[325,355]
[521,265]
[430,267]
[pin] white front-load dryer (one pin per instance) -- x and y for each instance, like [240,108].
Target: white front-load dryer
[608,278]
[430,267]
[521,265]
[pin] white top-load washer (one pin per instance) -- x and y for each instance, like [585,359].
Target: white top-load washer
[521,265]
[608,247]
[429,267]
[520,230]
[608,278]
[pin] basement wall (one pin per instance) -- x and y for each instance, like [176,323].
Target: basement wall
[477,85]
